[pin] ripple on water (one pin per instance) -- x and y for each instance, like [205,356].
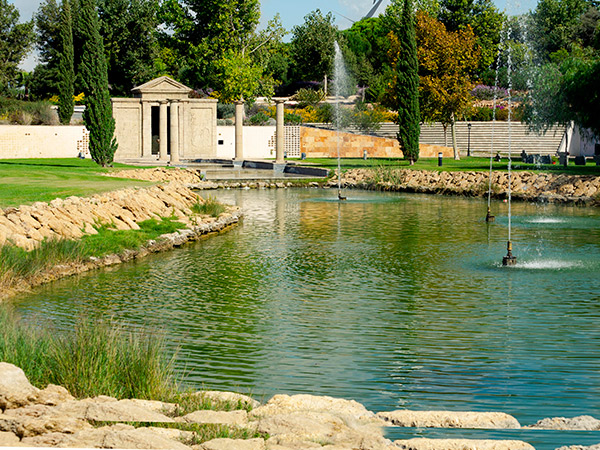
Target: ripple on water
[394,301]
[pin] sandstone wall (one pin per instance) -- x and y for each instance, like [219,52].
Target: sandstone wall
[321,143]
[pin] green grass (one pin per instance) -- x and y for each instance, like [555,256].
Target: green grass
[210,207]
[16,263]
[465,164]
[97,357]
[24,181]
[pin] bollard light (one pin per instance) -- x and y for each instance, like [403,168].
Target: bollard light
[440,156]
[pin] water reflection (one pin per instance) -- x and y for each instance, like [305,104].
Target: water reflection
[396,301]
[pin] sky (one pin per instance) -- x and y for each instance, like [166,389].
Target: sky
[292,12]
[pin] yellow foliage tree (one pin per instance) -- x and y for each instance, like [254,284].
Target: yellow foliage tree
[447,61]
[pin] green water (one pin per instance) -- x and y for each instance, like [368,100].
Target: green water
[394,300]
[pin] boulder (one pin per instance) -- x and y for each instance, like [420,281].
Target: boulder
[304,402]
[15,389]
[234,444]
[100,409]
[115,436]
[449,419]
[587,423]
[461,444]
[53,395]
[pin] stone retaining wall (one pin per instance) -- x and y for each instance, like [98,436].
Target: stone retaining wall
[547,187]
[71,218]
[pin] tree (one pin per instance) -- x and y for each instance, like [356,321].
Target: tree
[15,41]
[554,24]
[129,32]
[66,73]
[312,47]
[44,82]
[201,32]
[97,117]
[240,77]
[447,61]
[484,19]
[406,87]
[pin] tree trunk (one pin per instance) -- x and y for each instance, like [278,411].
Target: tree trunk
[453,131]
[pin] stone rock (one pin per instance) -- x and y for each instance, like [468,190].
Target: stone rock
[31,421]
[101,409]
[449,419]
[53,395]
[304,402]
[234,444]
[230,397]
[323,428]
[461,444]
[238,418]
[15,389]
[8,439]
[579,447]
[115,436]
[562,423]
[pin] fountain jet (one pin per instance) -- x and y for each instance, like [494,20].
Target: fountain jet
[509,259]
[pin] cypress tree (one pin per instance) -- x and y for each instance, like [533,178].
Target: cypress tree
[97,117]
[66,73]
[407,87]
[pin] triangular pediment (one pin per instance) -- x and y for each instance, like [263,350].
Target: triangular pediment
[162,85]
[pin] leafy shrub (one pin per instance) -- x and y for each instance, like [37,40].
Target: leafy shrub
[308,97]
[259,119]
[224,122]
[324,113]
[292,118]
[483,92]
[27,113]
[225,110]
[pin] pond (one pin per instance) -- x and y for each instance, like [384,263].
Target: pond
[393,300]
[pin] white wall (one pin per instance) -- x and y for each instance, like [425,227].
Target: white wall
[41,141]
[259,142]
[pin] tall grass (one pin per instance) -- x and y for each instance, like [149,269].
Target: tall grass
[16,263]
[210,207]
[96,357]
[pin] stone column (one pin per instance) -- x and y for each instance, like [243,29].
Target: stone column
[146,130]
[174,131]
[162,147]
[183,108]
[239,131]
[279,132]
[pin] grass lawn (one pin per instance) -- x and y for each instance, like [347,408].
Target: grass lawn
[450,165]
[24,181]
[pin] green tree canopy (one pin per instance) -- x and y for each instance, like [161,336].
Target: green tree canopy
[129,31]
[66,69]
[312,47]
[15,41]
[92,69]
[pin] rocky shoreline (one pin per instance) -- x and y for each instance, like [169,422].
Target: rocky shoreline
[73,217]
[51,417]
[526,186]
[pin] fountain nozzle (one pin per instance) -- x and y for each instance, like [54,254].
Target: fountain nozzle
[340,196]
[489,217]
[509,259]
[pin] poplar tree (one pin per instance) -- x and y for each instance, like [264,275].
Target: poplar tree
[407,85]
[66,73]
[97,117]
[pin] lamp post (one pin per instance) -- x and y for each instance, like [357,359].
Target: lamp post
[469,140]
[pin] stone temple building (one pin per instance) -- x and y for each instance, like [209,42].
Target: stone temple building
[162,123]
